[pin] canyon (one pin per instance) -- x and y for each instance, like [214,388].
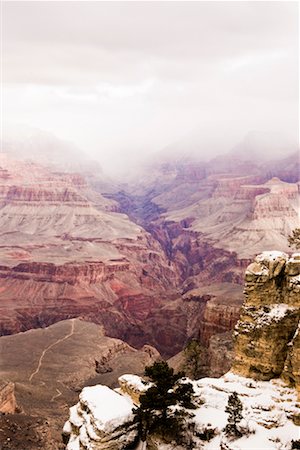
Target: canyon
[161,263]
[264,378]
[112,277]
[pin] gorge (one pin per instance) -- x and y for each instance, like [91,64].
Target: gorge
[115,277]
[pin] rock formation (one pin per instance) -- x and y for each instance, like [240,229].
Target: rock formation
[267,412]
[7,397]
[101,420]
[66,252]
[267,343]
[133,386]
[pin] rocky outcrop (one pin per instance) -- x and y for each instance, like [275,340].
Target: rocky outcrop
[267,342]
[7,397]
[267,412]
[89,273]
[101,420]
[133,386]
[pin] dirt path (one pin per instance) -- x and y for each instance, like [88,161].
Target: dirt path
[56,395]
[51,346]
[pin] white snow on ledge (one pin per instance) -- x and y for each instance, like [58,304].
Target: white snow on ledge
[271,255]
[268,407]
[109,409]
[134,382]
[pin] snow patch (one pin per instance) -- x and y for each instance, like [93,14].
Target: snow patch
[276,313]
[271,255]
[268,408]
[134,382]
[109,409]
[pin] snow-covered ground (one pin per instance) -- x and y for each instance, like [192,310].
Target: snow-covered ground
[268,408]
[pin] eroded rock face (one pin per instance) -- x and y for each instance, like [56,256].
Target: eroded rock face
[267,340]
[7,397]
[65,253]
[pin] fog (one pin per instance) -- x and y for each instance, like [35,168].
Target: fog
[124,80]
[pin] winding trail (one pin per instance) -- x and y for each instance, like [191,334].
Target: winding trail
[51,346]
[56,395]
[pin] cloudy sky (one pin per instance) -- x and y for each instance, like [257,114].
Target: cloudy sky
[124,79]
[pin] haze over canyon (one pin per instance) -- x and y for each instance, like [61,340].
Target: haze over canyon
[156,263]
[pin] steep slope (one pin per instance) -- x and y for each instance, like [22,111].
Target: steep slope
[225,210]
[49,366]
[64,253]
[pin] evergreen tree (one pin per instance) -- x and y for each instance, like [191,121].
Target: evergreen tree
[195,355]
[234,408]
[153,414]
[294,239]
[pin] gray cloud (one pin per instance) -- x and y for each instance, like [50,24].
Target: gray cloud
[123,78]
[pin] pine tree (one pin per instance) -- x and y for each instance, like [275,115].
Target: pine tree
[234,409]
[153,415]
[294,239]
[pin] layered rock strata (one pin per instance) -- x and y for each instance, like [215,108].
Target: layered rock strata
[267,342]
[133,386]
[65,253]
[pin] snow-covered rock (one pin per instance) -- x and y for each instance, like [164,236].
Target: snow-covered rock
[101,420]
[266,340]
[133,386]
[268,411]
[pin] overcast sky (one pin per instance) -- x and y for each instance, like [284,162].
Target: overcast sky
[125,79]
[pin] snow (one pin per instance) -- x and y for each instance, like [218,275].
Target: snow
[295,257]
[275,314]
[271,255]
[75,418]
[268,407]
[104,417]
[294,281]
[74,443]
[134,382]
[109,409]
[67,429]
